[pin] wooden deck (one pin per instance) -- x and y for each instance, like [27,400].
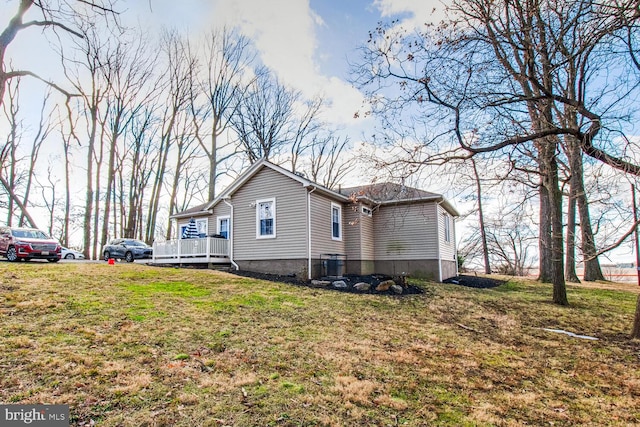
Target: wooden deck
[210,250]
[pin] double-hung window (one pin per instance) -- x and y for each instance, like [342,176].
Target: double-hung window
[336,222]
[266,218]
[223,226]
[447,228]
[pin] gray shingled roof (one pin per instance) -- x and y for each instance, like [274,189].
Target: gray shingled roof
[387,192]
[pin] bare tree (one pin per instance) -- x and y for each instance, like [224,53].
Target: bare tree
[60,15]
[263,117]
[86,76]
[328,164]
[18,182]
[175,82]
[226,58]
[128,69]
[498,70]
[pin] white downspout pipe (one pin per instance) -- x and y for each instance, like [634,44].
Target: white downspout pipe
[438,241]
[232,220]
[309,229]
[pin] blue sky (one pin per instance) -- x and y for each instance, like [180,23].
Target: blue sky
[306,43]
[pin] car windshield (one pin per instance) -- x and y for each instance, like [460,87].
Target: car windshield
[30,234]
[134,243]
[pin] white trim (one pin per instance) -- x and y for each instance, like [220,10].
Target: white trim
[228,203]
[366,211]
[447,227]
[258,202]
[206,225]
[339,208]
[309,266]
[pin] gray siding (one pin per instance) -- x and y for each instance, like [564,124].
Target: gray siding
[406,232]
[352,231]
[221,209]
[321,240]
[359,242]
[367,234]
[291,218]
[447,249]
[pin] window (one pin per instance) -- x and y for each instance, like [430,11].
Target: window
[202,225]
[336,222]
[223,226]
[266,218]
[366,211]
[447,228]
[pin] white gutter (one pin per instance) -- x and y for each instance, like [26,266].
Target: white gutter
[309,229]
[225,200]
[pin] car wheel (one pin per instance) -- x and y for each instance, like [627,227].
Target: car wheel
[128,257]
[12,254]
[107,255]
[69,256]
[53,259]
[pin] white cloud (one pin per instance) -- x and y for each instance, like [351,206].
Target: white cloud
[421,11]
[284,32]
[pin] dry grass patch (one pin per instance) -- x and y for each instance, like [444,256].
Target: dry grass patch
[131,345]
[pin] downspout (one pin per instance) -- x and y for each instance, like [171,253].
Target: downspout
[309,229]
[455,244]
[232,219]
[438,241]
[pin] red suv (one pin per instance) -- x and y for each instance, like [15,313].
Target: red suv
[28,243]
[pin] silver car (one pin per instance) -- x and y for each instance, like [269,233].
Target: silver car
[126,249]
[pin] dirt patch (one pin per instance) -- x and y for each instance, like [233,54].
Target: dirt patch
[350,280]
[475,281]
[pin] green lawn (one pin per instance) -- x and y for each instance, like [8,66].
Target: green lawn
[132,345]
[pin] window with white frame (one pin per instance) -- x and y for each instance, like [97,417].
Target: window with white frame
[447,228]
[265,218]
[224,223]
[336,222]
[366,211]
[202,225]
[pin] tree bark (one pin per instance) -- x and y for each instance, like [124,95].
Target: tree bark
[483,232]
[544,245]
[573,152]
[592,270]
[635,333]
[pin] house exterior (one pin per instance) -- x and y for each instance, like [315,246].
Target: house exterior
[275,221]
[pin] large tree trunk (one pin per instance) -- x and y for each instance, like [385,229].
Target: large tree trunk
[88,207]
[110,190]
[635,333]
[573,153]
[570,263]
[544,242]
[559,285]
[592,270]
[483,231]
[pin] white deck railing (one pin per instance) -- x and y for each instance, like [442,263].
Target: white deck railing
[208,249]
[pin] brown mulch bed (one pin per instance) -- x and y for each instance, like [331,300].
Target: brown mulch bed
[475,281]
